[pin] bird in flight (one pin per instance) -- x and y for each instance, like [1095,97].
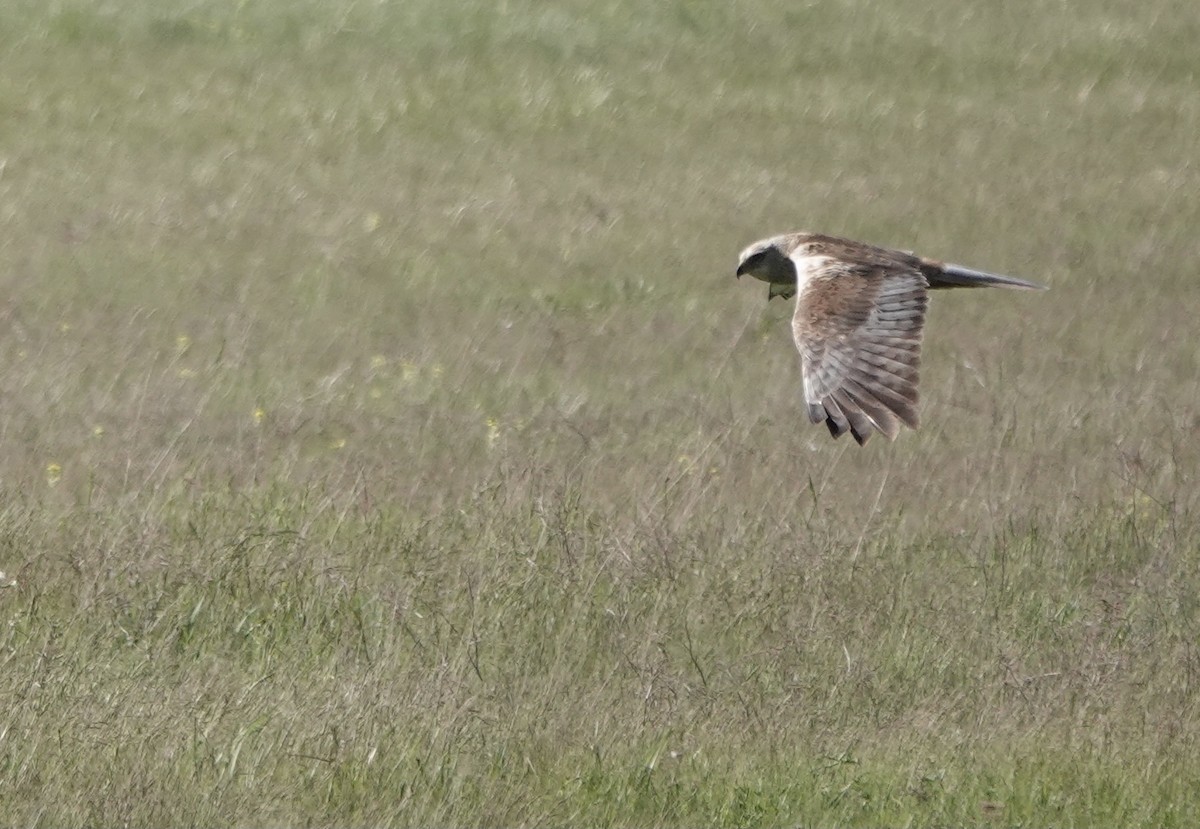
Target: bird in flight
[858,323]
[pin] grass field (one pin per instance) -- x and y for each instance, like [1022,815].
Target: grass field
[387,442]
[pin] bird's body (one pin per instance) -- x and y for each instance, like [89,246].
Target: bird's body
[859,319]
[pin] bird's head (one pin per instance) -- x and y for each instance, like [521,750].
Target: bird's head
[767,261]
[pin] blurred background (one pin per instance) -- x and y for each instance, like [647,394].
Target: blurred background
[386,440]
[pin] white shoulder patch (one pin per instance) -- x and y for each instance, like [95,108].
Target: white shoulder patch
[807,266]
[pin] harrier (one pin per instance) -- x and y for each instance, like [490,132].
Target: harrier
[858,323]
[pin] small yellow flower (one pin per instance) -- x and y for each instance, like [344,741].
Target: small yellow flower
[64,327]
[259,414]
[53,473]
[187,372]
[337,443]
[378,361]
[437,370]
[97,431]
[182,343]
[408,371]
[375,393]
[493,432]
[371,222]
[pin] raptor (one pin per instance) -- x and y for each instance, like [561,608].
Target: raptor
[859,320]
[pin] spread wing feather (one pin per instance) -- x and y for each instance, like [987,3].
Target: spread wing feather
[858,327]
[855,419]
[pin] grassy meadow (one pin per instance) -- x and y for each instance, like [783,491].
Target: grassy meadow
[385,440]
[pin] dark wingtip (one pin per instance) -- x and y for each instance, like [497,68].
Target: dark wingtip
[948,275]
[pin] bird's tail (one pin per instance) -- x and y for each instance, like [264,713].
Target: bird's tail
[956,276]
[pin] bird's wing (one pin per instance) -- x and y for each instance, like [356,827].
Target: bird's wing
[858,327]
[945,275]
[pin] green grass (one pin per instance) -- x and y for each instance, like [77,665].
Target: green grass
[386,442]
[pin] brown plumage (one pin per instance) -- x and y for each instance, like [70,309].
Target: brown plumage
[858,323]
